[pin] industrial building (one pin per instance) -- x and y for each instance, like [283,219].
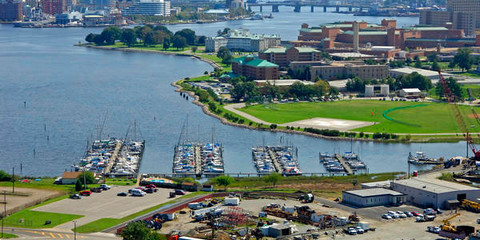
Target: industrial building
[11,11]
[432,75]
[372,197]
[433,192]
[242,40]
[362,36]
[410,93]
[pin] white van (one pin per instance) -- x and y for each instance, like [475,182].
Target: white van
[138,192]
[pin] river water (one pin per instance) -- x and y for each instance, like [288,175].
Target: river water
[54,96]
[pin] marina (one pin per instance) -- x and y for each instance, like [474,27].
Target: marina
[198,159]
[348,163]
[279,159]
[112,157]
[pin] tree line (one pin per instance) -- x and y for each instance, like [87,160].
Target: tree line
[147,35]
[413,80]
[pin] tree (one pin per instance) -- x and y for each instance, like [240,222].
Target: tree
[435,66]
[90,37]
[78,185]
[188,34]
[142,32]
[129,37]
[453,85]
[139,231]
[201,40]
[464,59]
[5,176]
[222,52]
[273,178]
[163,29]
[224,181]
[155,37]
[179,42]
[194,49]
[418,64]
[89,178]
[166,43]
[99,40]
[111,34]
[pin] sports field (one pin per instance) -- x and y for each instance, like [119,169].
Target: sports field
[406,117]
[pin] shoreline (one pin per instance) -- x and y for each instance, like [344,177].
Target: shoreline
[428,139]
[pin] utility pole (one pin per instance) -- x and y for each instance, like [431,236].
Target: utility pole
[74,230]
[13,180]
[4,209]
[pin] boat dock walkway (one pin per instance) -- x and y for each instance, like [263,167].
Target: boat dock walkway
[114,157]
[345,166]
[198,161]
[273,156]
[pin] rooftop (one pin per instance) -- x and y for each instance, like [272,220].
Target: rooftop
[411,90]
[367,33]
[69,175]
[434,185]
[351,55]
[283,82]
[306,49]
[276,50]
[254,62]
[418,28]
[374,192]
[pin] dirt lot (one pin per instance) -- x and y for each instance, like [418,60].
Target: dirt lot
[25,197]
[105,205]
[409,229]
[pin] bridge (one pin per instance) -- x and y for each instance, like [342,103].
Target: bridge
[297,5]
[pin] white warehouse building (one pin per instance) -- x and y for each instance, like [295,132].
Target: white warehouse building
[433,192]
[372,197]
[242,40]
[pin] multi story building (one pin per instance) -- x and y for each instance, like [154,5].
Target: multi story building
[53,7]
[242,40]
[342,70]
[462,14]
[255,68]
[11,11]
[283,56]
[149,7]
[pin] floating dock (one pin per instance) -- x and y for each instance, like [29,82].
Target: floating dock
[345,166]
[279,159]
[198,159]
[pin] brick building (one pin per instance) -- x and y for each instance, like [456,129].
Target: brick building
[53,7]
[255,68]
[11,11]
[343,70]
[283,56]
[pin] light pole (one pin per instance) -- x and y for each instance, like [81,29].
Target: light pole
[4,209]
[75,230]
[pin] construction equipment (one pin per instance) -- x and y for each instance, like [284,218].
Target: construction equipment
[276,210]
[451,98]
[307,198]
[447,226]
[471,205]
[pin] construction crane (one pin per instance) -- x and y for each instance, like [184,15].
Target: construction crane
[447,226]
[451,98]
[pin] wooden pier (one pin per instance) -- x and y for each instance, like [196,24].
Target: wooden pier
[276,164]
[114,157]
[345,166]
[237,175]
[198,161]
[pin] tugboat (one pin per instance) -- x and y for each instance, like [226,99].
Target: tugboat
[421,158]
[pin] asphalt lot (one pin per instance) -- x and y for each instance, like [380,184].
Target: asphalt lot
[105,205]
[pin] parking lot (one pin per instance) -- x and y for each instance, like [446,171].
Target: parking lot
[105,205]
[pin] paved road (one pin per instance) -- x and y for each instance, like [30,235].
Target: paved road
[23,233]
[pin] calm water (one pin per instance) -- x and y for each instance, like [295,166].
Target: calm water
[69,90]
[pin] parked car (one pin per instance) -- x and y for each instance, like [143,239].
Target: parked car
[478,221]
[122,194]
[104,187]
[75,196]
[85,193]
[409,214]
[151,190]
[401,214]
[138,193]
[415,213]
[359,230]
[96,190]
[386,216]
[419,219]
[151,186]
[429,211]
[180,192]
[352,231]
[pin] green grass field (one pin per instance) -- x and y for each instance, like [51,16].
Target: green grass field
[8,235]
[34,219]
[432,118]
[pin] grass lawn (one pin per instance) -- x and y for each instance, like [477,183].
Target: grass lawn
[8,235]
[44,183]
[34,219]
[432,118]
[104,223]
